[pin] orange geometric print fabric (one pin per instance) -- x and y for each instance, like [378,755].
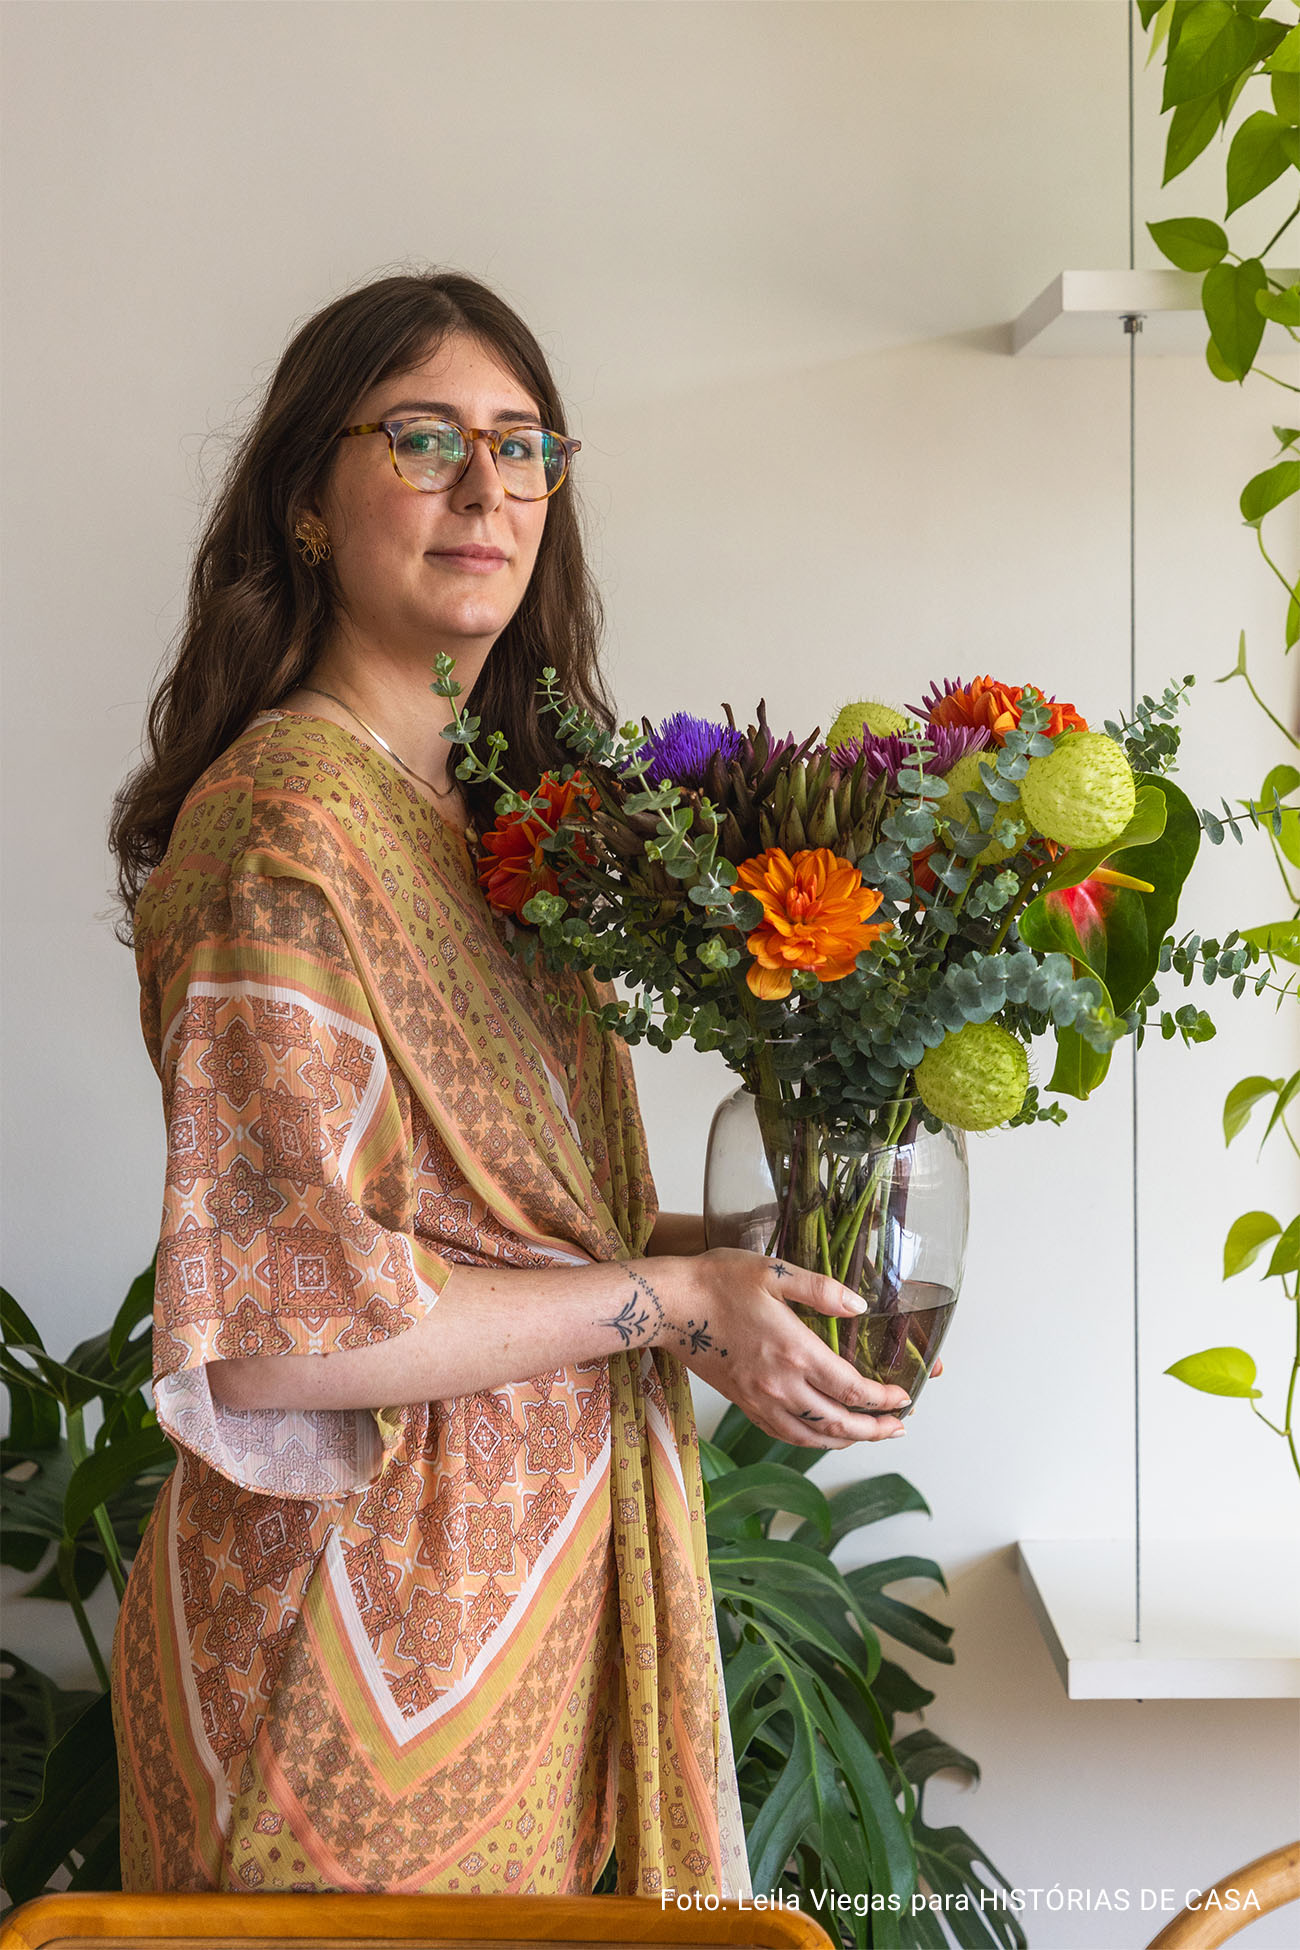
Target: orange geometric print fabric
[463,1645]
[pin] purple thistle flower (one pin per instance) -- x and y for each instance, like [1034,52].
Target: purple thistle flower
[941,747]
[680,748]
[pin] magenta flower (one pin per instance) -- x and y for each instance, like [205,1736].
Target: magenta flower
[941,747]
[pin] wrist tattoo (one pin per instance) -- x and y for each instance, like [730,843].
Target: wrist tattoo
[639,1314]
[636,1315]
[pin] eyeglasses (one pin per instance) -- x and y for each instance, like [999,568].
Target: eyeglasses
[432,455]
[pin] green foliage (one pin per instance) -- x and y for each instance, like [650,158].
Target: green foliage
[1261,149]
[1150,737]
[1214,51]
[1268,490]
[830,1798]
[1242,1099]
[1218,1371]
[34,1716]
[1192,243]
[1246,1240]
[1236,323]
[82,1503]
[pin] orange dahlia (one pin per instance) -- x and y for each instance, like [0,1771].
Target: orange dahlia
[994,706]
[514,867]
[815,910]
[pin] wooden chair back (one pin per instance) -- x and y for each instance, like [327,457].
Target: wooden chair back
[1273,1879]
[347,1922]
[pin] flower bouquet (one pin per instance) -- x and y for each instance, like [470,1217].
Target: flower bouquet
[874,929]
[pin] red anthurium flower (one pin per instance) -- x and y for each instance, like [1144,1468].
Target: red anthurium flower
[1087,906]
[514,867]
[1089,903]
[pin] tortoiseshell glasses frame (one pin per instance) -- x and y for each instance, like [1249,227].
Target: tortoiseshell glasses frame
[494,436]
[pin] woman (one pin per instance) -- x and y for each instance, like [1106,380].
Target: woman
[425,1605]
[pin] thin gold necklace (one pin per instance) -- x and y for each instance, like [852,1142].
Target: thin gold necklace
[316,691]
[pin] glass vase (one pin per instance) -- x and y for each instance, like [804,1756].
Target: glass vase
[884,1210]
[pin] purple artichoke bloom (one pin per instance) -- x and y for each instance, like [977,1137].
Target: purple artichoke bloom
[680,748]
[941,747]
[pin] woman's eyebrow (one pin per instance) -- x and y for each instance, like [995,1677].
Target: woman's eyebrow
[512,415]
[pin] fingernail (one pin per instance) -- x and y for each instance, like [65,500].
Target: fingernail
[905,1401]
[894,1432]
[859,1304]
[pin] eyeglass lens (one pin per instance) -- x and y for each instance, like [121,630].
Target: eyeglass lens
[431,453]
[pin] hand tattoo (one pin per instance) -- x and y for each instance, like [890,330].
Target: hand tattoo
[697,1337]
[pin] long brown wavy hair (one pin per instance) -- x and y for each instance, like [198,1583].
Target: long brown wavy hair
[257,618]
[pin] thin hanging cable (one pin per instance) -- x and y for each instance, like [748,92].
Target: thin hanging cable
[1132,223]
[1133,325]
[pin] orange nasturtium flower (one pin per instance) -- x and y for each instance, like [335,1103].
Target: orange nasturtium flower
[815,910]
[515,867]
[997,708]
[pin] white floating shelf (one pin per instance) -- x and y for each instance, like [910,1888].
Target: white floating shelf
[1220,1617]
[1081,314]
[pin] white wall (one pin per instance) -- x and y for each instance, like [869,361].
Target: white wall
[709,212]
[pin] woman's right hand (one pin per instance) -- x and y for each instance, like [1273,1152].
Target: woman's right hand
[729,1322]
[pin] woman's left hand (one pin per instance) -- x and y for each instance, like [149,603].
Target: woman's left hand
[683,1232]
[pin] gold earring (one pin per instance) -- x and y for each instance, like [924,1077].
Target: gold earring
[313,541]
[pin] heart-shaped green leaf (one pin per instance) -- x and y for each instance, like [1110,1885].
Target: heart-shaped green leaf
[1192,243]
[1256,158]
[1236,324]
[1283,307]
[1246,1240]
[1192,127]
[1216,42]
[1280,938]
[1276,484]
[1285,58]
[1217,1371]
[1241,1101]
[1286,1253]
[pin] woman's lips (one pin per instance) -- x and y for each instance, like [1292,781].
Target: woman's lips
[478,561]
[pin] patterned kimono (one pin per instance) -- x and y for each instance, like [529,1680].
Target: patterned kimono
[465,1645]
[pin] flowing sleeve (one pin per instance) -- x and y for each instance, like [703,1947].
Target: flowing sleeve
[288,1216]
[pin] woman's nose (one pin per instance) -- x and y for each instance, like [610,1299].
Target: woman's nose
[480,485]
